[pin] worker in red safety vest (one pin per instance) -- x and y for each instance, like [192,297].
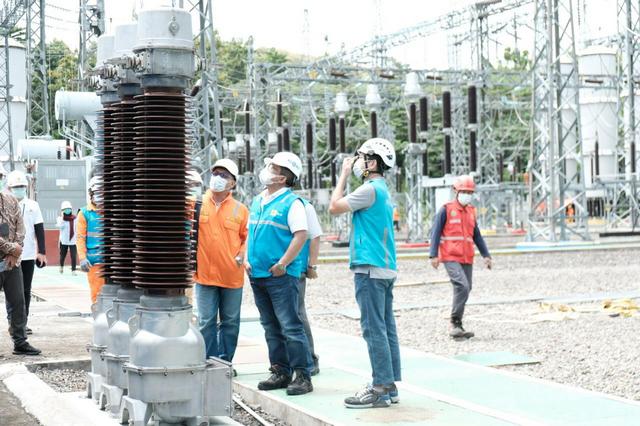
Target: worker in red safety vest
[455,231]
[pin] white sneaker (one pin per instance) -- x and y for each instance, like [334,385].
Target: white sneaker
[61,269]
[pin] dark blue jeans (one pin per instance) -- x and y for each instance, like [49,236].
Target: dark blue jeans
[375,300]
[221,340]
[277,302]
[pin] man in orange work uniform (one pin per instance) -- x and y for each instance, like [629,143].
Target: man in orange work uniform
[89,239]
[455,231]
[219,277]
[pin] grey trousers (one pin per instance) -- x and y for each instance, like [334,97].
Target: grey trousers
[11,283]
[460,275]
[302,312]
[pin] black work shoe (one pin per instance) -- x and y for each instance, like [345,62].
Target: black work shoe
[26,349]
[300,385]
[278,380]
[28,330]
[368,398]
[458,332]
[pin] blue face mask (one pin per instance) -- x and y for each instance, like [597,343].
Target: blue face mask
[66,211]
[19,193]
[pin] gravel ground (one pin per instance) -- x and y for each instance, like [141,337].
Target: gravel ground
[243,417]
[63,380]
[592,350]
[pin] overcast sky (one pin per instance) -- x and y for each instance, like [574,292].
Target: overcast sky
[334,23]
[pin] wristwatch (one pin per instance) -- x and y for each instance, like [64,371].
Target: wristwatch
[314,267]
[281,267]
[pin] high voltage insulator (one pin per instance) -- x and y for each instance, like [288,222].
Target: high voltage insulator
[424,122]
[596,158]
[413,135]
[343,141]
[286,144]
[332,148]
[500,167]
[309,140]
[374,124]
[472,100]
[633,157]
[446,125]
[446,109]
[279,121]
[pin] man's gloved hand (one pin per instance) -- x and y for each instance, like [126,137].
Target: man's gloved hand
[85,265]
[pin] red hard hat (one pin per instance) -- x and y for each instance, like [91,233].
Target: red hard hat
[464,183]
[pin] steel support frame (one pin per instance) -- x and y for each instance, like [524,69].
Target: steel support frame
[207,143]
[551,187]
[38,113]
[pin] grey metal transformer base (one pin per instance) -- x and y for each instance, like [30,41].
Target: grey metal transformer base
[96,348]
[169,379]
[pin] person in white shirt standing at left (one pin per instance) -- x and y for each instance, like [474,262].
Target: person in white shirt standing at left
[34,252]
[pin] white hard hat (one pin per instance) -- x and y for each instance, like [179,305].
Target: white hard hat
[65,205]
[287,160]
[381,147]
[16,178]
[228,165]
[95,183]
[194,177]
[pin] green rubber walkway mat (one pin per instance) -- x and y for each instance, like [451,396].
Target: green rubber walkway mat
[451,391]
[494,359]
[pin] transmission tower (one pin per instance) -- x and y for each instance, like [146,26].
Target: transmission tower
[38,117]
[91,19]
[207,113]
[556,175]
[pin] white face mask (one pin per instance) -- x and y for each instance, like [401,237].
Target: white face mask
[358,168]
[97,199]
[465,199]
[217,183]
[266,176]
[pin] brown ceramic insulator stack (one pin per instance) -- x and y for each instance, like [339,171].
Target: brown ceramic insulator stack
[162,212]
[121,188]
[106,158]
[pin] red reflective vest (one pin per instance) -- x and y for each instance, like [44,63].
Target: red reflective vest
[456,240]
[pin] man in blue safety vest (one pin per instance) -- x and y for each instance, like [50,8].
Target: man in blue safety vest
[372,256]
[277,233]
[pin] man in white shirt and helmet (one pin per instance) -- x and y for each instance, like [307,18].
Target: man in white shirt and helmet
[34,251]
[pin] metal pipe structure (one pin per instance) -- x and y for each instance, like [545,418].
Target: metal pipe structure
[446,128]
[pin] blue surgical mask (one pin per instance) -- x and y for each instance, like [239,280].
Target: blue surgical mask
[66,211]
[19,193]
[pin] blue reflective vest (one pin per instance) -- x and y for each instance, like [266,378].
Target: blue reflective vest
[94,235]
[270,236]
[372,239]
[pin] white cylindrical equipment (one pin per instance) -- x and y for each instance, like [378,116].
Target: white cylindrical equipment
[41,149]
[18,93]
[164,28]
[105,50]
[73,106]
[598,112]
[124,39]
[372,99]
